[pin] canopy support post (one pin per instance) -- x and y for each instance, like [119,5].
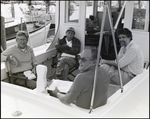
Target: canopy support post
[106,7]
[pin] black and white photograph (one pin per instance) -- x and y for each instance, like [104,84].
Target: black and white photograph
[74,59]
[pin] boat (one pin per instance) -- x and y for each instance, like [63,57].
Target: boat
[36,22]
[131,100]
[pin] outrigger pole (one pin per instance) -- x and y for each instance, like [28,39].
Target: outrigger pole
[99,51]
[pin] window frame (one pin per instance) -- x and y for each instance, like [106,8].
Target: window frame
[146,24]
[66,16]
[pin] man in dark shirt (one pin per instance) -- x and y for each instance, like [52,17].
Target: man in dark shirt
[68,47]
[80,92]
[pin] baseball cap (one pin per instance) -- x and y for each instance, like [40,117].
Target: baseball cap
[71,29]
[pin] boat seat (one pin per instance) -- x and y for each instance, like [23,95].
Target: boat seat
[10,75]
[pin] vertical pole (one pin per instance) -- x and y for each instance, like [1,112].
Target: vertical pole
[3,33]
[12,9]
[116,25]
[45,37]
[21,23]
[98,57]
[114,41]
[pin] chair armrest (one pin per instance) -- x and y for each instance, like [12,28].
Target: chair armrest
[21,77]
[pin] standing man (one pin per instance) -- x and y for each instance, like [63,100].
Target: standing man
[130,56]
[21,58]
[80,92]
[68,47]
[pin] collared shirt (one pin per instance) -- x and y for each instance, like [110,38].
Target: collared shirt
[26,58]
[131,58]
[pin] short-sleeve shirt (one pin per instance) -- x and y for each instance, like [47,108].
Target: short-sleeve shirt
[26,58]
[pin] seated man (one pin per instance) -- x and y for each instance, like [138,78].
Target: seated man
[21,58]
[92,25]
[80,92]
[67,47]
[130,56]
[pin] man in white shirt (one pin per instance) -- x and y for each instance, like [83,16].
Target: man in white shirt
[130,56]
[68,47]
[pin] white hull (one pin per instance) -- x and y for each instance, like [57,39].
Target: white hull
[133,102]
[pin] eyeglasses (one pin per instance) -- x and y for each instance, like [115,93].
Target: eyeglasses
[83,59]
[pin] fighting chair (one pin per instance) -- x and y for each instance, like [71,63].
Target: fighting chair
[15,76]
[54,65]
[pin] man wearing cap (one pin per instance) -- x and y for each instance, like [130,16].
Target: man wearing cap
[68,47]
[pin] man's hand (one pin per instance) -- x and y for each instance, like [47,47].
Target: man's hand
[15,60]
[34,69]
[66,47]
[54,93]
[103,61]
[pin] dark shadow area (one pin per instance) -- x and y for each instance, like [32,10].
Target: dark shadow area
[107,50]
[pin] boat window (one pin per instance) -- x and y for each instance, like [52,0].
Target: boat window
[116,5]
[89,8]
[100,6]
[72,11]
[140,19]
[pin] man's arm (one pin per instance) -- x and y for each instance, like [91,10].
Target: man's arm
[5,55]
[109,62]
[34,62]
[75,49]
[60,46]
[72,94]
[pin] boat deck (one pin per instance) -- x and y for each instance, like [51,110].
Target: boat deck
[34,104]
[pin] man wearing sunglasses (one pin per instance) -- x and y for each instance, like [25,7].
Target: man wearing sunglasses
[80,92]
[130,56]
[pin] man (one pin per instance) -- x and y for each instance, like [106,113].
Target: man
[80,92]
[68,47]
[21,58]
[130,58]
[92,25]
